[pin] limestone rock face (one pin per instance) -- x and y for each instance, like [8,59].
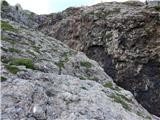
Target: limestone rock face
[23,17]
[124,38]
[44,79]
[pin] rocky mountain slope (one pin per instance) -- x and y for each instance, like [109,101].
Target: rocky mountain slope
[44,79]
[124,38]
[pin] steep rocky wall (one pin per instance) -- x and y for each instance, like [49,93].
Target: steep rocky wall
[124,38]
[43,79]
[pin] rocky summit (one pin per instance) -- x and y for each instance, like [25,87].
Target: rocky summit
[45,74]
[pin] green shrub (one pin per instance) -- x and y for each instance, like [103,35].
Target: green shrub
[84,88]
[108,85]
[124,97]
[11,50]
[3,38]
[60,64]
[12,69]
[65,56]
[82,78]
[120,100]
[22,61]
[63,59]
[87,78]
[139,113]
[86,64]
[3,79]
[157,8]
[14,50]
[7,26]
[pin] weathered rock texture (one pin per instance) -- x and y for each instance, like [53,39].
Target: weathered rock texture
[43,79]
[124,38]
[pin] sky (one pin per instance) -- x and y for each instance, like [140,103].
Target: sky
[52,6]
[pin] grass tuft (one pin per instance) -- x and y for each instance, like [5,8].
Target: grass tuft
[120,100]
[87,78]
[22,61]
[84,88]
[60,64]
[82,78]
[14,50]
[7,26]
[86,64]
[63,59]
[3,79]
[108,85]
[12,69]
[139,113]
[3,38]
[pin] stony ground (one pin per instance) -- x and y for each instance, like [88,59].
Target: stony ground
[43,79]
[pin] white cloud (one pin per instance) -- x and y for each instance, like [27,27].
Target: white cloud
[37,6]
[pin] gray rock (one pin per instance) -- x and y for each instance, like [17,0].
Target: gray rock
[123,38]
[42,78]
[38,112]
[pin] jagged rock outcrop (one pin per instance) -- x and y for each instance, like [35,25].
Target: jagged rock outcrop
[124,38]
[42,78]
